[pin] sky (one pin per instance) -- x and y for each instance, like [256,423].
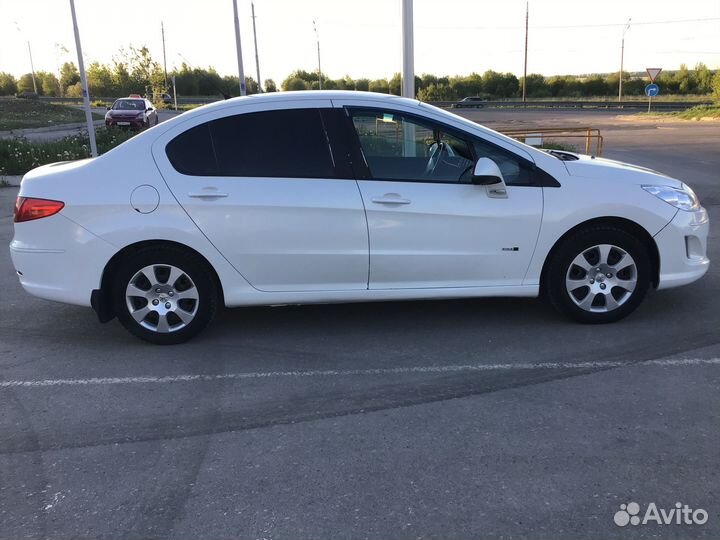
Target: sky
[362,38]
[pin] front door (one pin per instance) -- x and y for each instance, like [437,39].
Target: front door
[429,226]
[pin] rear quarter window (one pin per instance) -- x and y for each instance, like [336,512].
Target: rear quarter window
[192,152]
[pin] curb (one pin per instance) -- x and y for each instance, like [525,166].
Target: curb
[13,180]
[49,129]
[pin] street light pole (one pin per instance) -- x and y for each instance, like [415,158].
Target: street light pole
[622,58]
[32,68]
[317,38]
[241,72]
[257,57]
[527,18]
[162,30]
[408,53]
[83,83]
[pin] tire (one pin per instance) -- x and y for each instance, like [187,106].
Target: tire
[164,295]
[598,275]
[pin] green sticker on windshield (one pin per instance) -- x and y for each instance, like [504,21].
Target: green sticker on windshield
[387,117]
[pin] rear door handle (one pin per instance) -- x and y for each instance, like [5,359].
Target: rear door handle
[207,195]
[390,198]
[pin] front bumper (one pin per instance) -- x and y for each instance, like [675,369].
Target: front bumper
[132,123]
[682,245]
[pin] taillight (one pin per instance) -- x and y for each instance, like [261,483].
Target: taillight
[27,208]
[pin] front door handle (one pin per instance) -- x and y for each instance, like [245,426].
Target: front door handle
[390,198]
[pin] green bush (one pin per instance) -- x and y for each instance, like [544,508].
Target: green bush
[19,155]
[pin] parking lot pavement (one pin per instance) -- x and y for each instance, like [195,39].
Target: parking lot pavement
[447,419]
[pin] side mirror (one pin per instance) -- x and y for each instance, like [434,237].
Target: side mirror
[108,108]
[487,173]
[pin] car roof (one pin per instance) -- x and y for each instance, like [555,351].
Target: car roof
[304,95]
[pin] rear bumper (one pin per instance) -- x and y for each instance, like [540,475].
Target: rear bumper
[682,245]
[57,259]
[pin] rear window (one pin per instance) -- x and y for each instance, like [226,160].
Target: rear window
[129,105]
[285,144]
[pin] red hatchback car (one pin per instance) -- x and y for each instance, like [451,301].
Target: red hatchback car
[133,112]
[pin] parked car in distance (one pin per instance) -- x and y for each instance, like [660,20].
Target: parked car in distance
[476,102]
[332,196]
[134,112]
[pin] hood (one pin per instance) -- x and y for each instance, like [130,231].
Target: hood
[599,168]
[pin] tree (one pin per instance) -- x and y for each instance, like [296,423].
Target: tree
[294,83]
[395,84]
[100,80]
[704,78]
[69,75]
[8,84]
[362,84]
[687,83]
[270,85]
[74,91]
[48,82]
[25,84]
[379,85]
[716,85]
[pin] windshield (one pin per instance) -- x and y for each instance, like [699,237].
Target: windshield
[129,105]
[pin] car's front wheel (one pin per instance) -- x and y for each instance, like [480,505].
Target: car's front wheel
[599,275]
[164,295]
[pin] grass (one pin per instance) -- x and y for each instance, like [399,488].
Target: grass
[701,111]
[26,113]
[18,155]
[695,113]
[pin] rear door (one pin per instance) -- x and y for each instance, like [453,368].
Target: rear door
[266,189]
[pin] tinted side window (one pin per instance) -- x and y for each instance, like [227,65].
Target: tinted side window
[287,143]
[399,147]
[515,171]
[192,153]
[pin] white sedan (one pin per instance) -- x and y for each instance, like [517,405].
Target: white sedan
[310,197]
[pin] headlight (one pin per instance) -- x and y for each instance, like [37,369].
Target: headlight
[683,198]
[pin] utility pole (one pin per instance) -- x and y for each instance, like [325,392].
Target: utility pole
[527,18]
[408,61]
[32,68]
[317,38]
[241,72]
[257,57]
[83,83]
[162,29]
[622,58]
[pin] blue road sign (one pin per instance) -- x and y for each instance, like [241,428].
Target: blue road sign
[652,90]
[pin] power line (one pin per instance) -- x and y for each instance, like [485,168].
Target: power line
[561,26]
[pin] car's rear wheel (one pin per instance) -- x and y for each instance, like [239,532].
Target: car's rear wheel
[164,295]
[599,275]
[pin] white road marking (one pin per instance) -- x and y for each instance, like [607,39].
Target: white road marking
[351,372]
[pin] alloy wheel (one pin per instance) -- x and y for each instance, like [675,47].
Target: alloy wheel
[162,298]
[601,278]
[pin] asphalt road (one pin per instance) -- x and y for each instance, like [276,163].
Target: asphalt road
[448,419]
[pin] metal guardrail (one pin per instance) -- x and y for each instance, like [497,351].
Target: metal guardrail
[657,105]
[591,136]
[495,104]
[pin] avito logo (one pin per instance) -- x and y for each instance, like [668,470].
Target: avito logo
[629,514]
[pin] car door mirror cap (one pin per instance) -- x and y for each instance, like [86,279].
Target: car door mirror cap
[487,173]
